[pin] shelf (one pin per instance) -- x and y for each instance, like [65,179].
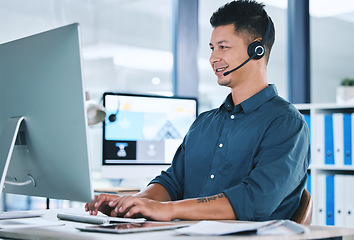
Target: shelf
[325,179]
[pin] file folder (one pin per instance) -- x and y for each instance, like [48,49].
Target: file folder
[320,194]
[347,135]
[338,139]
[330,200]
[349,201]
[339,188]
[319,137]
[328,135]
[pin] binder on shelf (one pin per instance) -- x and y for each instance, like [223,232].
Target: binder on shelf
[347,139]
[349,201]
[331,179]
[339,188]
[320,211]
[338,139]
[330,200]
[328,136]
[319,139]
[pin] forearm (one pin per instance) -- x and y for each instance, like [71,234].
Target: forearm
[216,207]
[156,192]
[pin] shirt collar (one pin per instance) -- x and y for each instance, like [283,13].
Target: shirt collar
[253,102]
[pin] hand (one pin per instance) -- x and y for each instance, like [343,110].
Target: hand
[133,206]
[101,203]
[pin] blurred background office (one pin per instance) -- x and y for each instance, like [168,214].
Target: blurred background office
[161,46]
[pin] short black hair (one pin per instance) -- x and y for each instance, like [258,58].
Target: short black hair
[247,16]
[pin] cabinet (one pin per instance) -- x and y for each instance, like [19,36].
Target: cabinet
[331,172]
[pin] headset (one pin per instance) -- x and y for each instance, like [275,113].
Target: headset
[256,50]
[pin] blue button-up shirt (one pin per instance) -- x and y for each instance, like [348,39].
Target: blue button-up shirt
[257,153]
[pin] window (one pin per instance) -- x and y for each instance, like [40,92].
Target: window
[127,45]
[331,30]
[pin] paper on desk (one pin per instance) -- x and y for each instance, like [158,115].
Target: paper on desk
[28,223]
[274,227]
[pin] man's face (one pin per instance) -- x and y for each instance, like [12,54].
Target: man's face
[228,51]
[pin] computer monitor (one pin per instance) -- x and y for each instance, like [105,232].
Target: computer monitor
[141,133]
[42,106]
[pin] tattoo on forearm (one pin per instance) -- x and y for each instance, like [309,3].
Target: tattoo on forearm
[209,199]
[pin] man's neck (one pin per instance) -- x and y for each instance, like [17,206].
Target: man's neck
[251,80]
[246,90]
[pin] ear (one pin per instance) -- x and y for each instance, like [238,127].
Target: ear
[257,40]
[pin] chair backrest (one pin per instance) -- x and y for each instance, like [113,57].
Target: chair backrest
[303,213]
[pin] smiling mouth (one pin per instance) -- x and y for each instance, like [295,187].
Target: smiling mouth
[220,69]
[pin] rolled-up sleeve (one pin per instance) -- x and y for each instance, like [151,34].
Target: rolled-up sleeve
[280,166]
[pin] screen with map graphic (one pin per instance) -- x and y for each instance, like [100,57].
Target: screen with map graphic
[144,129]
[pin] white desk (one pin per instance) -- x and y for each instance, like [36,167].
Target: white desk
[68,231]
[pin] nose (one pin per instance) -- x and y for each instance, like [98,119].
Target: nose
[214,57]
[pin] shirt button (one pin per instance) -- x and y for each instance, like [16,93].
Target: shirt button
[212,176]
[232,116]
[221,145]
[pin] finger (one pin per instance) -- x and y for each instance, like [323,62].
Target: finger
[117,203]
[109,207]
[137,210]
[100,203]
[102,198]
[99,200]
[91,209]
[86,207]
[89,206]
[128,203]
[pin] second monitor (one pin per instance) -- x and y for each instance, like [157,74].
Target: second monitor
[141,133]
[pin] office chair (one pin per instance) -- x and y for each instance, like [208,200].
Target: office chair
[303,213]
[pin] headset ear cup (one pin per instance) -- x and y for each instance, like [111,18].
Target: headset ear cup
[256,49]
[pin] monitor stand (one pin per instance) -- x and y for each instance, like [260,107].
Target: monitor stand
[8,139]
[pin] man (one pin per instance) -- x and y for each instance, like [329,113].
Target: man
[245,160]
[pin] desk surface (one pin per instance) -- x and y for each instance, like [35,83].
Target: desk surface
[68,231]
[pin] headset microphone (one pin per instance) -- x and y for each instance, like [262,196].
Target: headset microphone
[256,50]
[241,65]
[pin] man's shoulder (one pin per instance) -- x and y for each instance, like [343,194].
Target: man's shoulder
[206,116]
[284,108]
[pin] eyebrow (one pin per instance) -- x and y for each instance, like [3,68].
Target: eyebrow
[218,43]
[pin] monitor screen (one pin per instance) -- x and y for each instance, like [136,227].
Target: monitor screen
[42,105]
[144,129]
